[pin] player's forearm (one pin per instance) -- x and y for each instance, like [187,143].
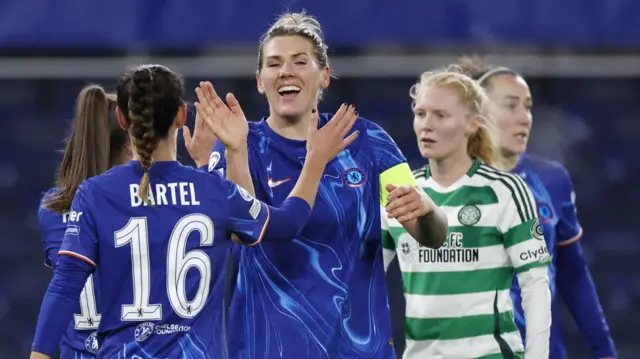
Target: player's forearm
[287,221]
[429,230]
[201,162]
[309,180]
[238,168]
[536,302]
[578,291]
[58,304]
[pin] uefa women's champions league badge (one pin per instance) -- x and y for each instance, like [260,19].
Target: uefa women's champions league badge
[354,177]
[244,194]
[214,158]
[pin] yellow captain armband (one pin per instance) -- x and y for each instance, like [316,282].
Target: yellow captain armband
[398,175]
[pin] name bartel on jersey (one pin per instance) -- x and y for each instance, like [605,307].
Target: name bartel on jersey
[452,250]
[165,194]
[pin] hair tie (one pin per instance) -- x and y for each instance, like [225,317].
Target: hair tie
[496,71]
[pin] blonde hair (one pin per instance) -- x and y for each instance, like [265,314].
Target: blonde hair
[484,143]
[298,24]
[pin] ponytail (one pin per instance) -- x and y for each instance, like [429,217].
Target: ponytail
[87,148]
[482,145]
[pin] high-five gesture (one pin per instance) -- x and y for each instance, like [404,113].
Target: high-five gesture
[228,123]
[325,143]
[201,143]
[322,146]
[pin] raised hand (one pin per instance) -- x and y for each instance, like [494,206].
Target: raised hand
[228,123]
[201,143]
[407,203]
[325,143]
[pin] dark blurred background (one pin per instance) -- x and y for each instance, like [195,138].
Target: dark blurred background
[581,58]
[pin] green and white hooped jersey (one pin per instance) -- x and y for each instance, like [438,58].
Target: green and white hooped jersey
[458,302]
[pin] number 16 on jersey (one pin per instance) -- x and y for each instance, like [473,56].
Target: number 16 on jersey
[88,318]
[178,262]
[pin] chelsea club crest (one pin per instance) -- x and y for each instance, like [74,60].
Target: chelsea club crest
[545,212]
[354,177]
[91,343]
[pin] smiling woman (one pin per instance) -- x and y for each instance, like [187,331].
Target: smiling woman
[280,307]
[293,68]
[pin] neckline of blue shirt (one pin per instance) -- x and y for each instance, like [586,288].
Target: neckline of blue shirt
[297,144]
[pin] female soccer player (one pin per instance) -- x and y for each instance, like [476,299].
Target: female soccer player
[457,297]
[553,191]
[323,295]
[149,229]
[95,144]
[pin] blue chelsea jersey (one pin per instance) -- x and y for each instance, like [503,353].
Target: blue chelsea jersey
[323,295]
[162,266]
[555,199]
[79,341]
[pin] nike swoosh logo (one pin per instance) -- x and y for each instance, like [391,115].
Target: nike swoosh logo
[274,184]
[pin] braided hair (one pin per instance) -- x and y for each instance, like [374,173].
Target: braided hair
[149,97]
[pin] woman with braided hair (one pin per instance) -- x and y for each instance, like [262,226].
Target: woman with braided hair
[158,233]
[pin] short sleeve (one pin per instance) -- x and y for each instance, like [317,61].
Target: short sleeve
[248,216]
[384,149]
[568,227]
[52,229]
[391,163]
[520,227]
[80,238]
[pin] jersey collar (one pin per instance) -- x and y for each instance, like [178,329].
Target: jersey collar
[472,170]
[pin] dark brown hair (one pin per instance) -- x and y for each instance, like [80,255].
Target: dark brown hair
[482,72]
[149,97]
[95,143]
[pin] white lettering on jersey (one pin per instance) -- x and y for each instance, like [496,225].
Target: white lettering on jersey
[165,194]
[72,216]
